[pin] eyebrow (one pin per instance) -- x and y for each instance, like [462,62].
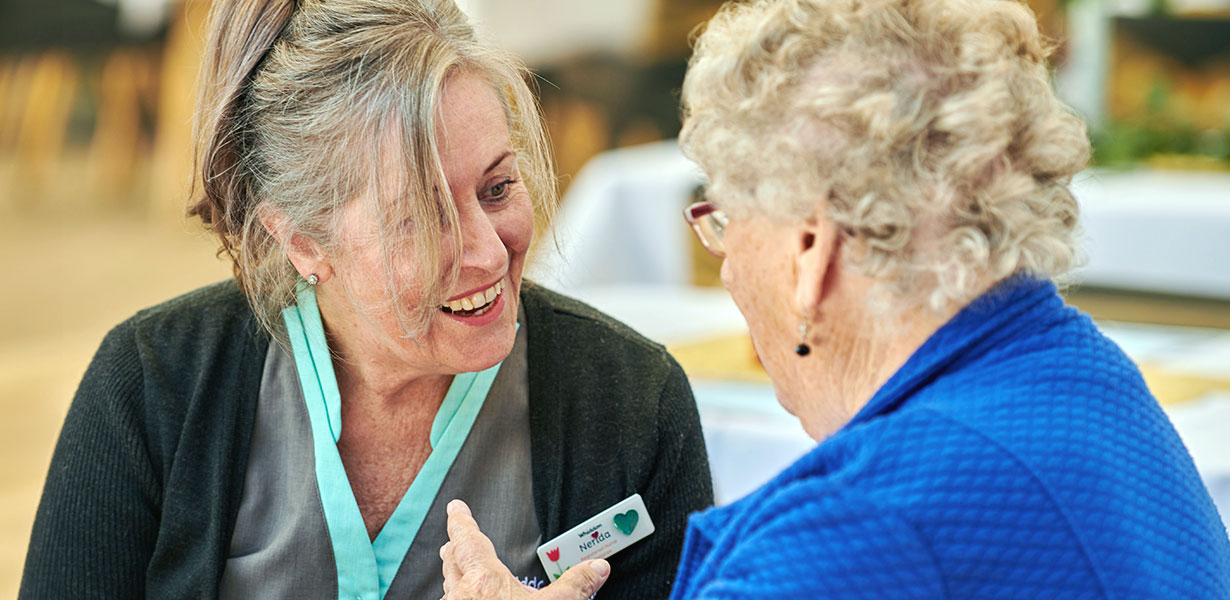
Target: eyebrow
[495,163]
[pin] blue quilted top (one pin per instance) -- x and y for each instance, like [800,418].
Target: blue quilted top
[1017,454]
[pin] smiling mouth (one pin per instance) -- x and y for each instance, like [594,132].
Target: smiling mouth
[475,304]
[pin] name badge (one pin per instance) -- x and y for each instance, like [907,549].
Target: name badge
[600,536]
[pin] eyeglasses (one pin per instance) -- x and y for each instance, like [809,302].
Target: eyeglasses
[709,223]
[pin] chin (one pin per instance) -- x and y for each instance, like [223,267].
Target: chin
[480,349]
[772,369]
[784,401]
[493,353]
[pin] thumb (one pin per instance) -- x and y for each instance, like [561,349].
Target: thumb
[579,582]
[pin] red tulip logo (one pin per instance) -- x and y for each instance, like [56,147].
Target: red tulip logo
[553,555]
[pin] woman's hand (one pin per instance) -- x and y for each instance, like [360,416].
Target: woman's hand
[473,572]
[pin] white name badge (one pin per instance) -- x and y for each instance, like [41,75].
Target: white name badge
[600,536]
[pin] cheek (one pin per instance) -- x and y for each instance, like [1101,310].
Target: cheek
[753,273]
[515,226]
[363,269]
[748,290]
[744,276]
[752,292]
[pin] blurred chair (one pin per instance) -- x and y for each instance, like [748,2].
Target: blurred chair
[172,156]
[40,99]
[71,77]
[126,87]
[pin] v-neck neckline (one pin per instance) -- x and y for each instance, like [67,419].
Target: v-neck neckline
[365,567]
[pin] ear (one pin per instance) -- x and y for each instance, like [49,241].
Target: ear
[303,253]
[817,250]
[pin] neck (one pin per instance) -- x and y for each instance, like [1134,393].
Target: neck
[859,354]
[372,371]
[365,384]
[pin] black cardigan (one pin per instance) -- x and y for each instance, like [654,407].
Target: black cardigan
[147,476]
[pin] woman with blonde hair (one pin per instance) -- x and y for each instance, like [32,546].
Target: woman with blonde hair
[889,189]
[373,171]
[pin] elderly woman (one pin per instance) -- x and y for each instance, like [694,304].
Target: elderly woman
[889,191]
[373,172]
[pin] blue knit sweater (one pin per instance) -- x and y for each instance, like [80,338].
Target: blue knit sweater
[1017,454]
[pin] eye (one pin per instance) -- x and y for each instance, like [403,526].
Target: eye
[499,191]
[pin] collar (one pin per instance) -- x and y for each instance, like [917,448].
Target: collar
[984,322]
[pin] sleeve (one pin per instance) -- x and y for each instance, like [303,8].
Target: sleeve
[678,484]
[817,544]
[97,522]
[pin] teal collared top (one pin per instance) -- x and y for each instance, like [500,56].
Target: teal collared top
[365,569]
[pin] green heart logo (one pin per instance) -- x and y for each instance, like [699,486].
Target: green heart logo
[626,522]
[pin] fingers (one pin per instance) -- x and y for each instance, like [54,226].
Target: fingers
[471,568]
[457,505]
[579,582]
[450,562]
[470,548]
[452,574]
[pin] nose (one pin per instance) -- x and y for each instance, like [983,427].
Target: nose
[481,245]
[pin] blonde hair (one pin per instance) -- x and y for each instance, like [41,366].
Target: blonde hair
[925,130]
[299,102]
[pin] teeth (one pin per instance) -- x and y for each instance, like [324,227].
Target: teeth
[479,300]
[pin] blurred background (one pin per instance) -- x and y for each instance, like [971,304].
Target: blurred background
[95,110]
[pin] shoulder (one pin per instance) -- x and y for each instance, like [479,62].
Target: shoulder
[1058,397]
[1053,392]
[202,346]
[586,344]
[157,437]
[582,321]
[215,309]
[191,332]
[813,537]
[179,328]
[1046,488]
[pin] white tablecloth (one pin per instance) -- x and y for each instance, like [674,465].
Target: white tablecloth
[1156,231]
